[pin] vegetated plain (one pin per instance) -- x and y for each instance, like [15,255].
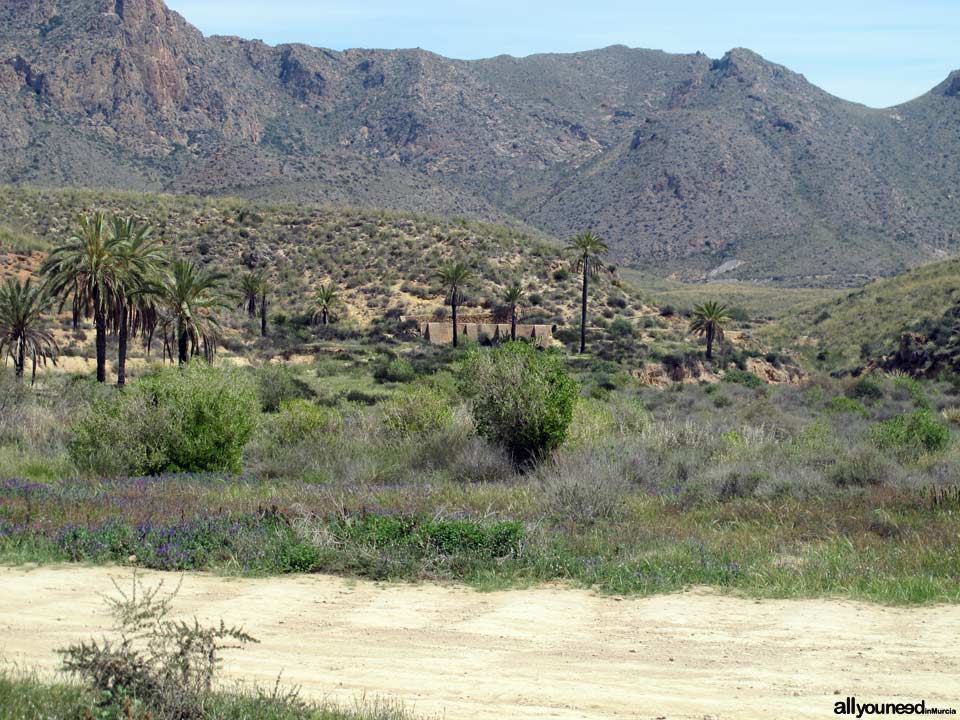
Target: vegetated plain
[353,447]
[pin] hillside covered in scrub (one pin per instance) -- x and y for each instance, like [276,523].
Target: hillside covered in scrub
[686,161]
[866,326]
[383,264]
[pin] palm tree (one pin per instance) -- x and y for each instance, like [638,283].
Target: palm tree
[22,331]
[588,250]
[140,257]
[453,276]
[324,301]
[709,319]
[512,298]
[264,286]
[193,299]
[85,270]
[251,284]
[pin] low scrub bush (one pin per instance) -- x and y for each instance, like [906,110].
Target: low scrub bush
[522,399]
[866,388]
[253,541]
[154,667]
[844,404]
[396,370]
[917,432]
[743,377]
[583,487]
[418,410]
[192,419]
[427,536]
[461,455]
[861,468]
[277,383]
[299,420]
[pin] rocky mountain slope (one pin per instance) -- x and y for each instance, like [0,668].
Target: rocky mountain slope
[683,162]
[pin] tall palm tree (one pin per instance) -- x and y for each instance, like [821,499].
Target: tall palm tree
[140,257]
[512,297]
[85,270]
[454,276]
[22,330]
[709,319]
[324,301]
[588,251]
[193,299]
[251,283]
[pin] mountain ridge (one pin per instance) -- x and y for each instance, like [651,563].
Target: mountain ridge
[682,161]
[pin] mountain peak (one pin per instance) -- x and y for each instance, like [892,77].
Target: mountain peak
[951,86]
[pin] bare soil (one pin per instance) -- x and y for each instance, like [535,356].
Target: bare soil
[548,652]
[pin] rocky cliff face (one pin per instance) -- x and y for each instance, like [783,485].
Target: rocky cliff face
[682,161]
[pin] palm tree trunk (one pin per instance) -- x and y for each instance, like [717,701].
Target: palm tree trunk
[453,311]
[182,345]
[263,315]
[252,306]
[583,311]
[709,343]
[122,346]
[100,323]
[513,324]
[20,360]
[326,317]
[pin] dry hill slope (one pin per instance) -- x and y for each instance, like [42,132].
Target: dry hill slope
[682,161]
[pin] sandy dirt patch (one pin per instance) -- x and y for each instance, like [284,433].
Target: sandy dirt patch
[549,652]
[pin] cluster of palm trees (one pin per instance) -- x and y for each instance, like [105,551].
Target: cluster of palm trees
[587,252]
[116,272]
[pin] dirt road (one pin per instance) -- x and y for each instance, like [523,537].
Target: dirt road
[544,653]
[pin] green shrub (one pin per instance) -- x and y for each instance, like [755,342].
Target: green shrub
[522,399]
[395,370]
[913,433]
[300,419]
[739,314]
[866,388]
[425,535]
[194,419]
[621,328]
[742,377]
[914,389]
[844,404]
[276,383]
[416,410]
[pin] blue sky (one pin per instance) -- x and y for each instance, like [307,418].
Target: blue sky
[877,52]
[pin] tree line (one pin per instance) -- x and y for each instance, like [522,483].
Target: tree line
[117,272]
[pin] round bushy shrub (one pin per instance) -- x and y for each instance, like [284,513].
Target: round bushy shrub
[277,383]
[522,398]
[866,388]
[621,328]
[298,420]
[418,410]
[396,370]
[914,433]
[192,419]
